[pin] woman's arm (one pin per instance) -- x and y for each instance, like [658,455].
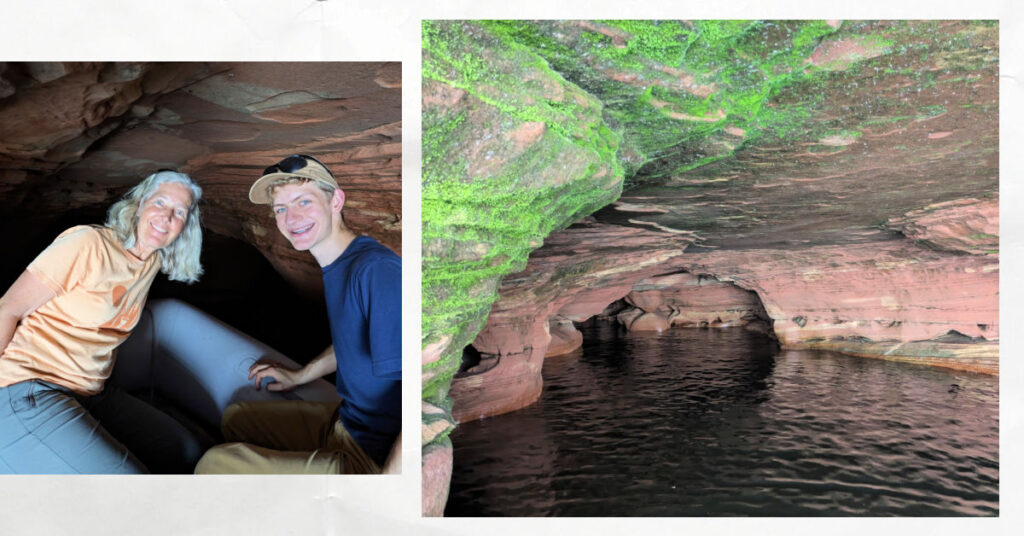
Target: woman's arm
[26,295]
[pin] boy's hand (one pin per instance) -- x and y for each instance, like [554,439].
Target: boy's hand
[283,379]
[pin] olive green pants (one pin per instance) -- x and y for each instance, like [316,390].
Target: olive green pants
[285,437]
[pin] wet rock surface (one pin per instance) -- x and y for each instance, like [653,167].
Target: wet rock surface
[577,273]
[846,172]
[890,299]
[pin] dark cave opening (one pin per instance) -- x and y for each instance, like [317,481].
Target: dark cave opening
[476,362]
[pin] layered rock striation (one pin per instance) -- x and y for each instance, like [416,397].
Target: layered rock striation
[834,182]
[688,299]
[75,136]
[577,273]
[888,300]
[511,153]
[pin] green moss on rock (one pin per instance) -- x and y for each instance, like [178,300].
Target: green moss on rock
[669,85]
[512,152]
[530,125]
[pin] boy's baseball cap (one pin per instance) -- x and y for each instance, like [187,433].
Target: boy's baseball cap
[296,165]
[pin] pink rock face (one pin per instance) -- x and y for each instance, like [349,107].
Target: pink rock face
[872,299]
[437,470]
[693,300]
[892,299]
[837,54]
[514,383]
[575,275]
[967,225]
[565,338]
[649,322]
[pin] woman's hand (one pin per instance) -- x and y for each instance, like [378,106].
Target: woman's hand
[284,379]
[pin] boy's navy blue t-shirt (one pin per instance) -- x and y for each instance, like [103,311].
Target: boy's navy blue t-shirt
[363,289]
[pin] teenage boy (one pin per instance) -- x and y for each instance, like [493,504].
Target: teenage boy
[362,287]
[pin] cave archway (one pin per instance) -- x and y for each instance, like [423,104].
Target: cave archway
[846,171]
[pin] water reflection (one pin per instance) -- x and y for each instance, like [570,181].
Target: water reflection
[711,423]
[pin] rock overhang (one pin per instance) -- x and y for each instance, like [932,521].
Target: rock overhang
[77,135]
[752,139]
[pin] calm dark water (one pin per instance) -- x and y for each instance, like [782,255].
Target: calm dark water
[719,423]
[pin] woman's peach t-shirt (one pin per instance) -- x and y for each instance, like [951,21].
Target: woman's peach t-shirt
[100,291]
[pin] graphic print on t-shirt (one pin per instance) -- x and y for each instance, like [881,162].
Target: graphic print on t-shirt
[125,319]
[118,294]
[99,293]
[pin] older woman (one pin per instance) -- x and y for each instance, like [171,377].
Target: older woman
[60,323]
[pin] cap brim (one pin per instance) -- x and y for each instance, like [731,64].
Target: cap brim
[258,190]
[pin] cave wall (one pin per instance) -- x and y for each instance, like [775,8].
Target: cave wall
[511,152]
[574,276]
[688,299]
[845,171]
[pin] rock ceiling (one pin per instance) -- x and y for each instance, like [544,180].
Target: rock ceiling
[845,171]
[75,136]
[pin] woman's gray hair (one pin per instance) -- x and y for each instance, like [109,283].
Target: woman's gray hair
[180,260]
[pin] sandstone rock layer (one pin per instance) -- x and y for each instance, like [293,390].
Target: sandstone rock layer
[577,273]
[75,136]
[834,181]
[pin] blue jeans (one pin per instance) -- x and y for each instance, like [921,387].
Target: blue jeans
[48,429]
[159,410]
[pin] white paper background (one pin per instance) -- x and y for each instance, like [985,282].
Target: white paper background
[389,30]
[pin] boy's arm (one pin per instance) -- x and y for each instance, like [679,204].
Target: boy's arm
[286,379]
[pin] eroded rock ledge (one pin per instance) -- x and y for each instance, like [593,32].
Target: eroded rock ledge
[891,300]
[843,173]
[577,273]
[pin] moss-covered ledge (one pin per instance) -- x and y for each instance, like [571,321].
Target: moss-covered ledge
[737,133]
[681,93]
[511,152]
